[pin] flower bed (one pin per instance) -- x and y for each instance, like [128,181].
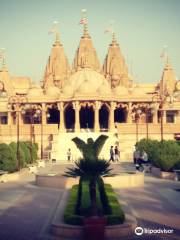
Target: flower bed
[108,205]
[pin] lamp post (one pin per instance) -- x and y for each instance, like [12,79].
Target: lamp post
[35,112]
[137,116]
[161,99]
[14,105]
[31,109]
[147,125]
[3,94]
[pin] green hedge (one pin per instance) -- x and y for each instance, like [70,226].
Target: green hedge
[162,154]
[7,158]
[8,154]
[85,201]
[117,215]
[71,216]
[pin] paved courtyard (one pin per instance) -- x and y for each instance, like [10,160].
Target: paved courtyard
[26,210]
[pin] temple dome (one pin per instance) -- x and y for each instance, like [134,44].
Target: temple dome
[35,91]
[87,82]
[68,91]
[121,90]
[53,92]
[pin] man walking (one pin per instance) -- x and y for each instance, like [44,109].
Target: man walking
[69,155]
[111,154]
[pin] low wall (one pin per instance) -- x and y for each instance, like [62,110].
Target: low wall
[160,174]
[55,181]
[10,177]
[126,180]
[118,181]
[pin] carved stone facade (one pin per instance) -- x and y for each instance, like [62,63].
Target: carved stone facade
[86,97]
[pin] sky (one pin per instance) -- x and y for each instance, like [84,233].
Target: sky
[142,27]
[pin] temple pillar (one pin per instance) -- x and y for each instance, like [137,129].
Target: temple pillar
[9,121]
[111,116]
[96,123]
[43,119]
[19,115]
[177,117]
[61,112]
[129,111]
[155,117]
[76,107]
[164,116]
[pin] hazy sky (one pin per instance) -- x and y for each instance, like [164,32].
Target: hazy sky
[142,28]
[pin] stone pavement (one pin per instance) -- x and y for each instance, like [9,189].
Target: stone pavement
[26,210]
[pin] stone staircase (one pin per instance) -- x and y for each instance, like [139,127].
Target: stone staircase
[62,142]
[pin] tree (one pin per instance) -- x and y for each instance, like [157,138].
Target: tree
[90,168]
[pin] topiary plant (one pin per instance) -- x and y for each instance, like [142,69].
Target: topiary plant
[7,158]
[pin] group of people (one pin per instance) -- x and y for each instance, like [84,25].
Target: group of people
[114,154]
[140,158]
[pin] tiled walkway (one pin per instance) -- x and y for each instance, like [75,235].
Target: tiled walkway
[26,210]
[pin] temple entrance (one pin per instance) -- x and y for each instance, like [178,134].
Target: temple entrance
[120,115]
[103,117]
[69,117]
[87,117]
[53,115]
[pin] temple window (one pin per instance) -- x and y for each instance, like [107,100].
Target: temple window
[170,116]
[3,117]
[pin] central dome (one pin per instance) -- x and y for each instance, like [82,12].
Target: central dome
[86,82]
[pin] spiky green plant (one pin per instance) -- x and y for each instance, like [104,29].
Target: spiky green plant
[90,167]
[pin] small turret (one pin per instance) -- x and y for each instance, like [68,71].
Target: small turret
[5,80]
[114,68]
[168,80]
[86,56]
[57,69]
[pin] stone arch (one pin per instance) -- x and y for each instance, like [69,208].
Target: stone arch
[120,114]
[86,116]
[54,115]
[103,116]
[69,115]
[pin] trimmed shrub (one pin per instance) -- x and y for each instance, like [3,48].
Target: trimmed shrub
[165,154]
[117,215]
[13,146]
[150,147]
[85,202]
[168,155]
[8,155]
[26,151]
[7,158]
[34,151]
[103,197]
[85,209]
[70,216]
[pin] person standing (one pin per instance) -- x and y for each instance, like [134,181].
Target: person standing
[111,154]
[69,154]
[117,154]
[136,155]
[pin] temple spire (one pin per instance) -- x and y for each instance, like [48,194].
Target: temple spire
[57,69]
[84,21]
[86,56]
[168,80]
[114,67]
[114,41]
[55,30]
[3,59]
